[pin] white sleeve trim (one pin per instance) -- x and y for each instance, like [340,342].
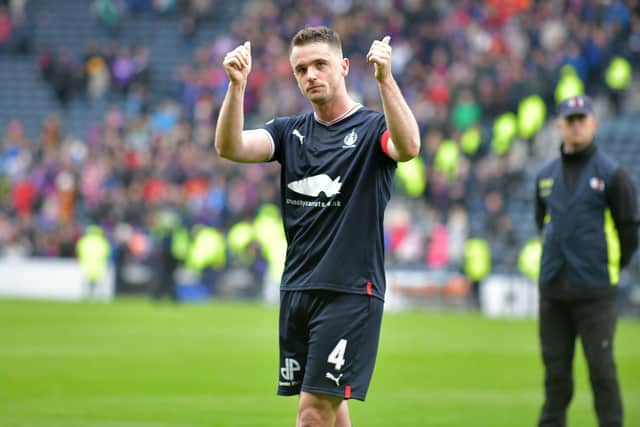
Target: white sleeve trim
[273,144]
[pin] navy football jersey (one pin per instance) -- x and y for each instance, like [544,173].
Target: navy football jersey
[335,183]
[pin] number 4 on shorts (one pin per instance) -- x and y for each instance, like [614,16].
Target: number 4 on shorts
[337,354]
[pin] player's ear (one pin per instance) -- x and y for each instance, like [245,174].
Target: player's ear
[345,66]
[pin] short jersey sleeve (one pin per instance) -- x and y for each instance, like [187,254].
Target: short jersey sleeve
[275,129]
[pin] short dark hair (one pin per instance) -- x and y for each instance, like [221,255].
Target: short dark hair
[320,34]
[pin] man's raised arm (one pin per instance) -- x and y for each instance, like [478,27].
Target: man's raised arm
[404,136]
[231,141]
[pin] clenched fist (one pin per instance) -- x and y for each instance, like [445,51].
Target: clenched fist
[237,63]
[380,56]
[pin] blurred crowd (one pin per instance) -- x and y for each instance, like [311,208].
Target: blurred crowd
[461,64]
[15,29]
[112,13]
[98,73]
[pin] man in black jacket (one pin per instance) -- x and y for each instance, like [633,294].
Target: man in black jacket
[586,207]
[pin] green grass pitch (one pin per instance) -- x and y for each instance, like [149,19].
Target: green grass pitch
[132,363]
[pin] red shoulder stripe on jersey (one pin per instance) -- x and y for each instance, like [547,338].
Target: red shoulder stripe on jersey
[369,288]
[384,142]
[347,392]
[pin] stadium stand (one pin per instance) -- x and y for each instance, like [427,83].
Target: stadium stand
[141,145]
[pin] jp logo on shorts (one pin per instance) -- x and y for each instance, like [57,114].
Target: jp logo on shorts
[288,372]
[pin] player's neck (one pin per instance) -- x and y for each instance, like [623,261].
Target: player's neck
[332,112]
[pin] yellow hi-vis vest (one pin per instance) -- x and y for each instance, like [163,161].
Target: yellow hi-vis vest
[93,250]
[477,259]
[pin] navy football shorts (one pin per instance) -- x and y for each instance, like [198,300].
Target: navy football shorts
[328,342]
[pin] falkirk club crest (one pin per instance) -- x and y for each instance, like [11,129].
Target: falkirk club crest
[349,141]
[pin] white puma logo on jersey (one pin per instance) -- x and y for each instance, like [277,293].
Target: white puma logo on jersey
[314,185]
[330,376]
[299,135]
